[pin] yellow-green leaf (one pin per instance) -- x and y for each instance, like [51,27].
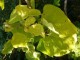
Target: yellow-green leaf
[59,21]
[34,12]
[56,46]
[15,17]
[29,21]
[37,29]
[22,10]
[19,40]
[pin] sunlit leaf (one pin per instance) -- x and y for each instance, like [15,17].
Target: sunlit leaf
[29,21]
[55,46]
[2,4]
[22,10]
[7,47]
[59,21]
[19,40]
[37,30]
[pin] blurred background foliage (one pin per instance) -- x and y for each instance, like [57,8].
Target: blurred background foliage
[73,12]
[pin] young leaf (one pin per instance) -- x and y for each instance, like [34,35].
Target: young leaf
[29,21]
[7,47]
[2,4]
[37,30]
[59,20]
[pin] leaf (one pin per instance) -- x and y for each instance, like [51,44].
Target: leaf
[7,47]
[14,17]
[56,2]
[7,27]
[32,3]
[19,40]
[2,4]
[31,54]
[37,30]
[34,12]
[60,22]
[22,10]
[56,46]
[29,21]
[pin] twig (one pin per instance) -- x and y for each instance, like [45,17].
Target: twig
[65,6]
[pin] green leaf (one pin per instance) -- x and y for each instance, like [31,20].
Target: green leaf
[32,3]
[56,46]
[34,12]
[29,21]
[7,47]
[31,54]
[37,30]
[59,22]
[19,40]
[2,4]
[56,2]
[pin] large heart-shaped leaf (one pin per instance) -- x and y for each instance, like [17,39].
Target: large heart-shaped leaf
[59,21]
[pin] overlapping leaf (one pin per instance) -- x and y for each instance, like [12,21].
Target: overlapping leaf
[37,30]
[34,12]
[29,21]
[55,46]
[63,33]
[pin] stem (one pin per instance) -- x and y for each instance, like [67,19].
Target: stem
[65,7]
[19,2]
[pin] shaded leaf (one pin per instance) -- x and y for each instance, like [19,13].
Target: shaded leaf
[31,54]
[32,3]
[56,2]
[7,47]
